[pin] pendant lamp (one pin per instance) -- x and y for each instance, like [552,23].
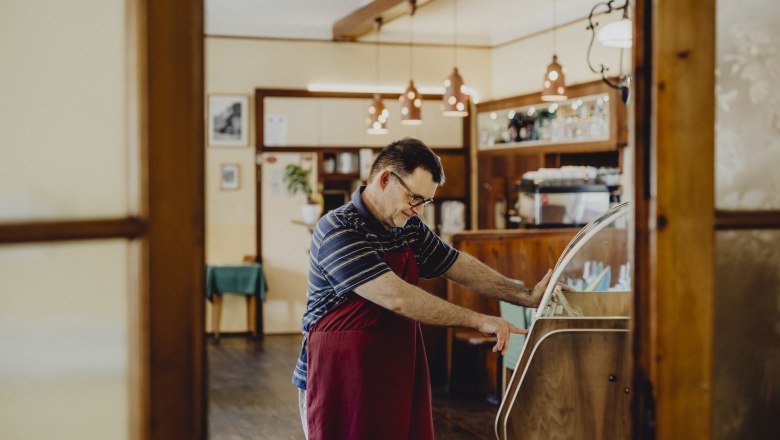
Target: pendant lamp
[411,106]
[455,98]
[377,116]
[377,113]
[554,85]
[411,100]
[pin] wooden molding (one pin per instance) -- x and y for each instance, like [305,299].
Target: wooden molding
[300,93]
[727,220]
[643,398]
[30,232]
[344,149]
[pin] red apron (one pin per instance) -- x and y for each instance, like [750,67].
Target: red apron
[367,375]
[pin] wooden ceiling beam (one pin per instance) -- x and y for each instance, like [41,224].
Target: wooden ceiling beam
[361,21]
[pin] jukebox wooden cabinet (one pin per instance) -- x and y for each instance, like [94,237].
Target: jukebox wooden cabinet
[572,379]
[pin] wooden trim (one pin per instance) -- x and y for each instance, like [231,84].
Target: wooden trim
[728,220]
[138,205]
[343,149]
[558,148]
[175,244]
[466,150]
[505,234]
[30,232]
[371,43]
[643,398]
[259,149]
[675,217]
[301,93]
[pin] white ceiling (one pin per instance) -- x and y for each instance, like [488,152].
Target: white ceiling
[480,22]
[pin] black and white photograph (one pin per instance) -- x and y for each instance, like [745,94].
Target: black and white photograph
[228,120]
[229,176]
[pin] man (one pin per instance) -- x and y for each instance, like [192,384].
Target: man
[363,372]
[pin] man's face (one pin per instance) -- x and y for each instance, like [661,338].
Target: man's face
[401,192]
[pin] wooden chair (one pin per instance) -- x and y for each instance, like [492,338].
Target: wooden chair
[251,308]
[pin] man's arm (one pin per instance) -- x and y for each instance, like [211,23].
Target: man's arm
[393,293]
[475,275]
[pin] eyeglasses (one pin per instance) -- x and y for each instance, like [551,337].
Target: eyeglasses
[414,200]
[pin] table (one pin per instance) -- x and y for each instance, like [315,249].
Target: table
[238,279]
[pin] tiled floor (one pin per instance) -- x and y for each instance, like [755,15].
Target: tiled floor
[251,397]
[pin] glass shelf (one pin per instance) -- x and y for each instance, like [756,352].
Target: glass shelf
[577,120]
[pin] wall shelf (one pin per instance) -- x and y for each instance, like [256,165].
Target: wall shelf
[502,161]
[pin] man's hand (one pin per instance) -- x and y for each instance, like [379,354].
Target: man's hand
[537,292]
[494,325]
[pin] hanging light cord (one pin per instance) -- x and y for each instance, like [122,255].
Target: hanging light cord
[555,27]
[377,26]
[411,45]
[455,33]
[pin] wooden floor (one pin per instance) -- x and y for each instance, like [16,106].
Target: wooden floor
[251,396]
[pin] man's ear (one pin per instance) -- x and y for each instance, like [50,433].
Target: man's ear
[384,179]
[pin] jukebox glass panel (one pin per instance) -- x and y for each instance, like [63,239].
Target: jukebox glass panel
[596,260]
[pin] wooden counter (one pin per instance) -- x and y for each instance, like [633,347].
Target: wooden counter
[523,254]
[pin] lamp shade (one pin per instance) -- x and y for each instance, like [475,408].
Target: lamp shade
[554,85]
[455,98]
[377,116]
[617,34]
[411,106]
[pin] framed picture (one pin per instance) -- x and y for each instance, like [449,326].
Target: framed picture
[229,176]
[228,120]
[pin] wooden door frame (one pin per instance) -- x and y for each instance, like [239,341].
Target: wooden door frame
[674,61]
[165,225]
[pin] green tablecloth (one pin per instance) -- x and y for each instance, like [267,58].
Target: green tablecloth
[240,279]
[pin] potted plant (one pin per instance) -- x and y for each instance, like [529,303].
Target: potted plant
[297,179]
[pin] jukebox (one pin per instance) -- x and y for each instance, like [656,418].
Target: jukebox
[572,378]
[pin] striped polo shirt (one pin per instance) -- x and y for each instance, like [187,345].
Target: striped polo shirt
[346,251]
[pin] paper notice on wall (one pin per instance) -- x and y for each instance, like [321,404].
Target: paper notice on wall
[277,178]
[275,130]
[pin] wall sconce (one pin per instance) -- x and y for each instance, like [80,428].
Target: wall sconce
[617,34]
